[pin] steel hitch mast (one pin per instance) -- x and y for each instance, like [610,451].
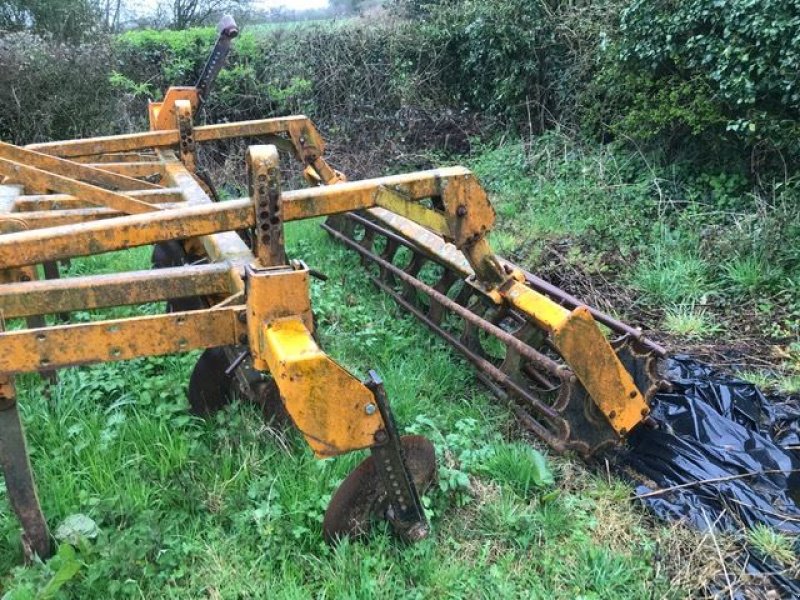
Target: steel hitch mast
[227,30]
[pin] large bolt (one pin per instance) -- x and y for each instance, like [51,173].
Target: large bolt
[417,532]
[370,409]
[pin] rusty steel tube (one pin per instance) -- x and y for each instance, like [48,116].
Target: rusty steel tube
[540,285]
[523,349]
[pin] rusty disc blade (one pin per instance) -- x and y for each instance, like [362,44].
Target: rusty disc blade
[267,395]
[360,500]
[209,386]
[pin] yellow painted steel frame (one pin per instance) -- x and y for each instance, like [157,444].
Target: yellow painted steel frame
[67,188]
[465,218]
[284,346]
[75,198]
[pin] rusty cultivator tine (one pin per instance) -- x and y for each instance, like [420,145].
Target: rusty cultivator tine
[18,475]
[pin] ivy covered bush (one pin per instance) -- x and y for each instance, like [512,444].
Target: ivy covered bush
[749,49]
[722,69]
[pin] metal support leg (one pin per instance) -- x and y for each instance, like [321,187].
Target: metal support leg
[19,477]
[51,271]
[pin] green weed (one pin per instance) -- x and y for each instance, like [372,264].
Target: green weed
[757,378]
[773,544]
[751,274]
[783,383]
[673,278]
[690,322]
[519,466]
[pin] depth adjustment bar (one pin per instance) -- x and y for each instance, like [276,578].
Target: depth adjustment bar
[263,174]
[404,510]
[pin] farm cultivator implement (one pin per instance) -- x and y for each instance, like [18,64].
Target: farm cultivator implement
[230,290]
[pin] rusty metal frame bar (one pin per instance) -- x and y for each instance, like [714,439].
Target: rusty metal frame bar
[42,179]
[118,289]
[201,217]
[118,339]
[296,125]
[120,233]
[73,170]
[38,202]
[131,169]
[58,218]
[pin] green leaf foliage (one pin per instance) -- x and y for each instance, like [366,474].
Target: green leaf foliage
[726,70]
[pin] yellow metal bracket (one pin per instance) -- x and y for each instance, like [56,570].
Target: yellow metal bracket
[586,350]
[164,113]
[334,411]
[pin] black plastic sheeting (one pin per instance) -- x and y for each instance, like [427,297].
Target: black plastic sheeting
[731,454]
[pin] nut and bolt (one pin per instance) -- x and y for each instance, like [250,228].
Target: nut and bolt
[417,532]
[370,409]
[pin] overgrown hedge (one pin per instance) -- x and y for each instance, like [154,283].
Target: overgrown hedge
[51,90]
[723,71]
[719,79]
